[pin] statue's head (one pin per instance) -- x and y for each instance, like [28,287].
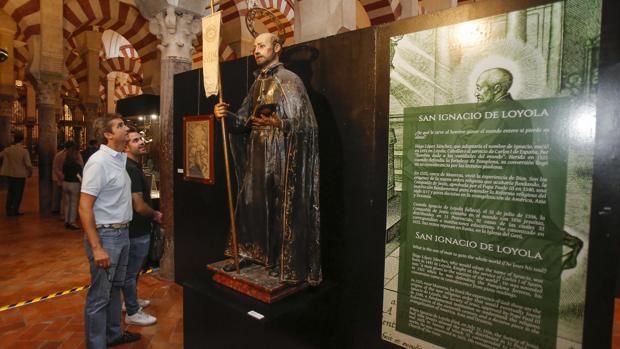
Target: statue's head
[267,49]
[493,85]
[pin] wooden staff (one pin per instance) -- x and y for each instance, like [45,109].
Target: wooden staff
[231,210]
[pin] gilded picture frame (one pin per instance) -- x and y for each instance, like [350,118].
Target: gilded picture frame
[198,149]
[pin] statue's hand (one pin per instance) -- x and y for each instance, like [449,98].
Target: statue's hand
[263,120]
[220,110]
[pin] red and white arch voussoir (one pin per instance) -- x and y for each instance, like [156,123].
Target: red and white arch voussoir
[128,51]
[285,13]
[283,6]
[232,9]
[127,91]
[70,84]
[125,19]
[382,11]
[121,64]
[26,14]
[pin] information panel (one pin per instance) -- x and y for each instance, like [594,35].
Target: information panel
[492,160]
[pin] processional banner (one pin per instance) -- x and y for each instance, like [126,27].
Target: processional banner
[210,52]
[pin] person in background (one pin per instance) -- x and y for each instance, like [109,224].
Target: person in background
[92,147]
[16,166]
[59,159]
[139,230]
[71,174]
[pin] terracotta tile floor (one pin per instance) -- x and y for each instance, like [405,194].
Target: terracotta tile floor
[39,257]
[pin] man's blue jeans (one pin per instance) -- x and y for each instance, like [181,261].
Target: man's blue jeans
[102,311]
[138,249]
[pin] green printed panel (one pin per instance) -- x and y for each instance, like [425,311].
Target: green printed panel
[484,190]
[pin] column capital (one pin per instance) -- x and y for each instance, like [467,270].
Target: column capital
[150,8]
[48,92]
[176,32]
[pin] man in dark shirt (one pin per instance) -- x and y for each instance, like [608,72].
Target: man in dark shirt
[92,147]
[139,230]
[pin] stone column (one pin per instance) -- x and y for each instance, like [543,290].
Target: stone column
[91,111]
[31,113]
[48,70]
[151,72]
[50,108]
[89,44]
[109,93]
[176,28]
[7,78]
[6,111]
[318,19]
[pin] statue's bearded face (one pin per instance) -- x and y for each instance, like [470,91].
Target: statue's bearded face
[265,52]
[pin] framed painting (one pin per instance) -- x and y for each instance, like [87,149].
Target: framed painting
[198,149]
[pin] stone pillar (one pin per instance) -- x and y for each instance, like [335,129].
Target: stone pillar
[91,111]
[47,67]
[89,44]
[31,114]
[318,19]
[516,25]
[109,93]
[7,78]
[50,108]
[151,71]
[176,28]
[6,111]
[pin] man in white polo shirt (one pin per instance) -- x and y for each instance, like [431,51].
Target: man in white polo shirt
[105,212]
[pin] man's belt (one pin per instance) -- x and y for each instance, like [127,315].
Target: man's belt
[113,225]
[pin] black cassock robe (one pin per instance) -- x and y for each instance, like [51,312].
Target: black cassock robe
[277,212]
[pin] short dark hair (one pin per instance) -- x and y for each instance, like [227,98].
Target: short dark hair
[92,142]
[103,124]
[18,136]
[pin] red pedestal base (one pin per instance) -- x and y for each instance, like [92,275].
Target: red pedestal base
[254,281]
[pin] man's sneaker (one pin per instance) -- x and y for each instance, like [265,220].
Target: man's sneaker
[140,318]
[126,337]
[143,303]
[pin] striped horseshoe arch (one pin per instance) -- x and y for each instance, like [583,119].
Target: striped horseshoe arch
[26,15]
[82,15]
